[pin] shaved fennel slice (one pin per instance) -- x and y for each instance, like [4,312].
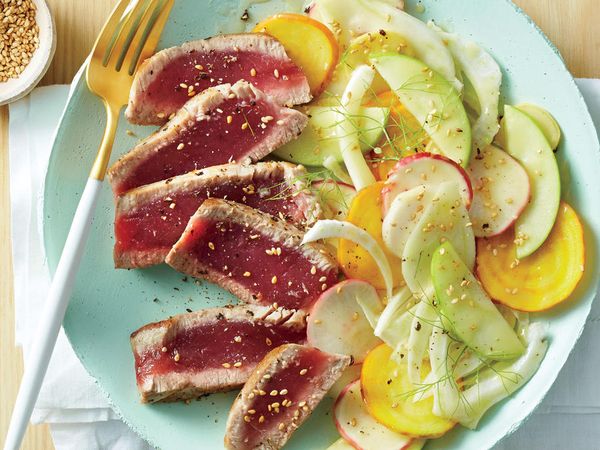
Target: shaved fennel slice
[392,326]
[425,316]
[485,77]
[346,132]
[370,16]
[496,383]
[327,229]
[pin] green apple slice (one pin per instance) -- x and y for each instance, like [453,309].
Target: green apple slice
[432,100]
[526,142]
[318,141]
[467,311]
[544,120]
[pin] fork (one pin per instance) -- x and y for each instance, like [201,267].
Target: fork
[129,37]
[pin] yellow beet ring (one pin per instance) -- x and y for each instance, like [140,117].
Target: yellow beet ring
[308,42]
[543,279]
[387,394]
[365,212]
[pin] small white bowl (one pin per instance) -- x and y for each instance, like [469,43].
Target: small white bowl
[15,88]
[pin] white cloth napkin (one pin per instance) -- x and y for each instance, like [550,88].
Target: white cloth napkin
[80,416]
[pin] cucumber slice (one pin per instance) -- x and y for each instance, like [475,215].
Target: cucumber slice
[318,141]
[432,100]
[467,311]
[544,120]
[524,141]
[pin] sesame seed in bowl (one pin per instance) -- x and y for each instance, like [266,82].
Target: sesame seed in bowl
[27,45]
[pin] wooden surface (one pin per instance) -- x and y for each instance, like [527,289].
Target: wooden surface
[570,24]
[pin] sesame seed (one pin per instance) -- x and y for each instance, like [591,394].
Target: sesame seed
[253,72]
[318,321]
[211,245]
[266,376]
[269,342]
[180,146]
[244,125]
[172,206]
[226,365]
[247,274]
[281,426]
[229,119]
[251,395]
[323,286]
[176,357]
[237,339]
[246,418]
[280,122]
[261,419]
[276,73]
[303,372]
[237,364]
[322,279]
[183,85]
[302,403]
[313,270]
[274,280]
[353,422]
[164,349]
[273,393]
[283,392]
[251,411]
[161,115]
[261,392]
[199,67]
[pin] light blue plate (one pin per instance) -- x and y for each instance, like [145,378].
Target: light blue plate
[108,304]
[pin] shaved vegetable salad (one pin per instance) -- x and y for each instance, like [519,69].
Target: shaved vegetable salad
[439,213]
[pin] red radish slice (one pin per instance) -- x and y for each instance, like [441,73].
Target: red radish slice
[335,197]
[337,323]
[425,169]
[352,373]
[360,429]
[502,191]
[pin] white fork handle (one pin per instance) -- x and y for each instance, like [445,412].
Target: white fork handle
[53,314]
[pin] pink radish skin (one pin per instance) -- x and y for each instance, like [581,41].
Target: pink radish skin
[337,323]
[361,430]
[425,169]
[502,191]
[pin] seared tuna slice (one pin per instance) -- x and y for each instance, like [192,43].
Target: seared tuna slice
[150,219]
[224,124]
[255,256]
[212,350]
[280,395]
[168,79]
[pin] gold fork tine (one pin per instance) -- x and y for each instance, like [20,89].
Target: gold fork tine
[150,36]
[127,33]
[142,11]
[111,29]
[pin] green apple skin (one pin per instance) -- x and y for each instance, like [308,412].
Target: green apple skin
[525,142]
[434,102]
[467,311]
[318,141]
[544,120]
